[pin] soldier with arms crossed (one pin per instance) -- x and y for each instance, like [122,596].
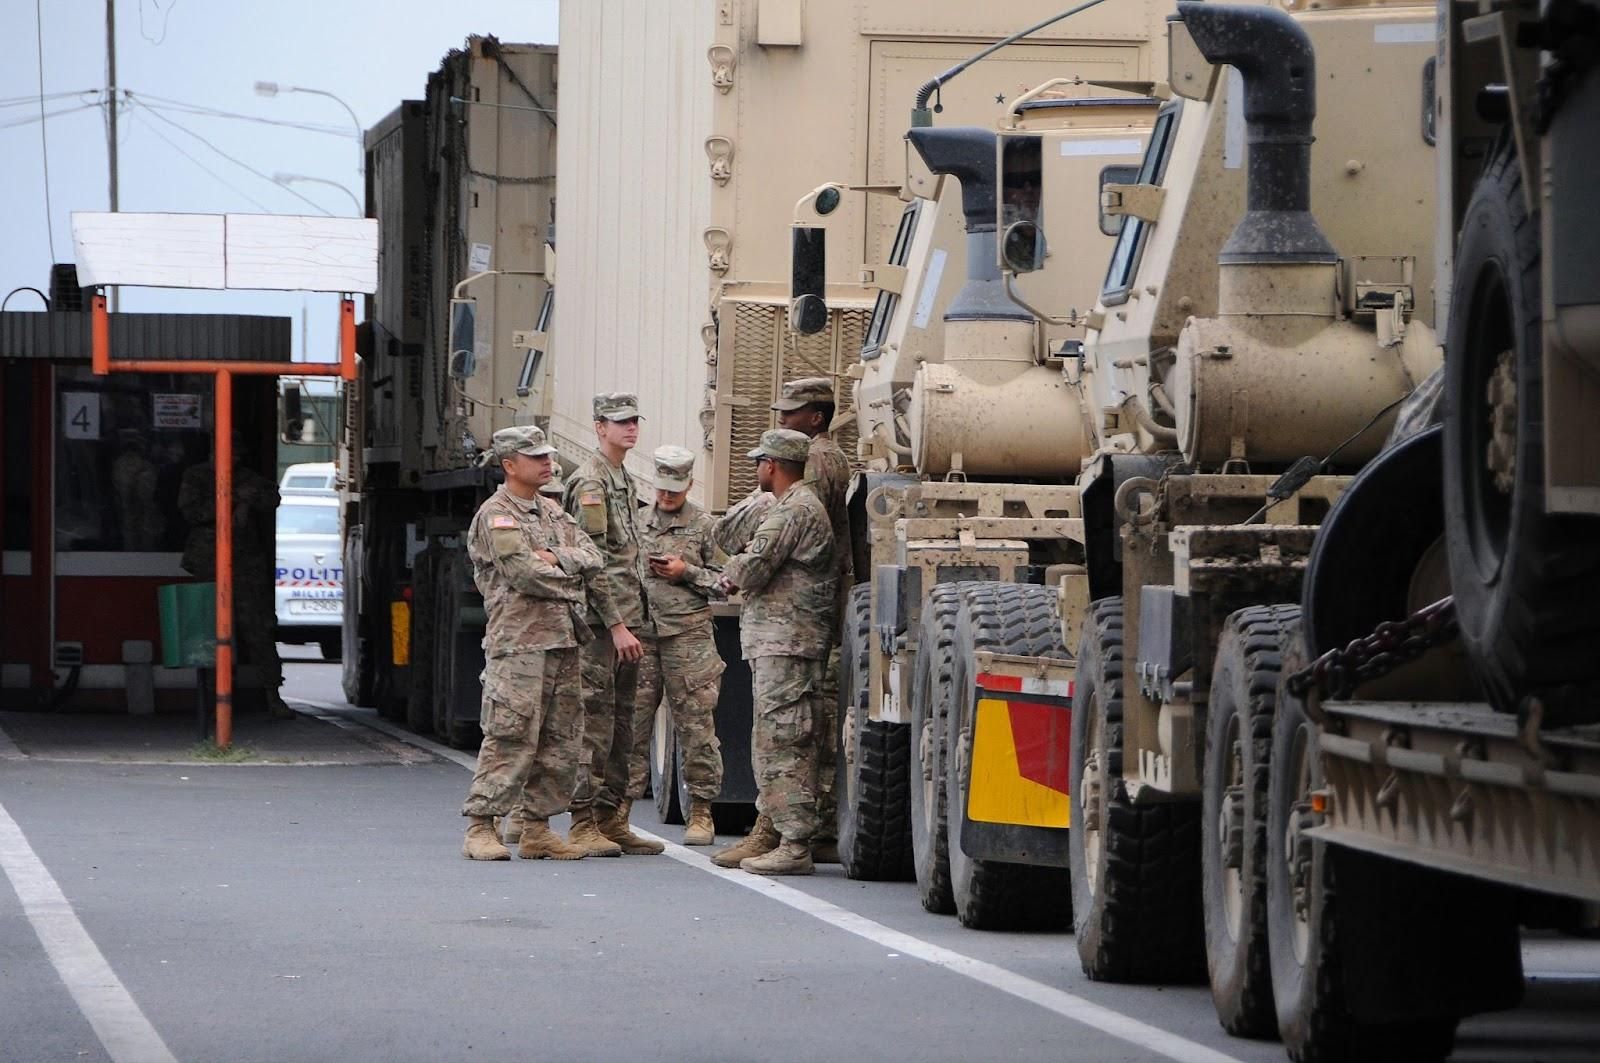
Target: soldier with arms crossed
[789,577]
[531,564]
[682,653]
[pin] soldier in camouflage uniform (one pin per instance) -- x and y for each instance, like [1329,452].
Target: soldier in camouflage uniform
[531,564]
[604,499]
[789,578]
[255,511]
[807,406]
[682,652]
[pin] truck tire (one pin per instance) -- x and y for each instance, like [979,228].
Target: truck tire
[332,647]
[420,695]
[1525,581]
[872,781]
[356,676]
[1233,819]
[1010,618]
[1135,868]
[1303,922]
[930,703]
[664,767]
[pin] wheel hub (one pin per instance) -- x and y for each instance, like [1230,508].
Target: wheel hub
[1502,396]
[1231,828]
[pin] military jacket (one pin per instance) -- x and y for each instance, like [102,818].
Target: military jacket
[829,469]
[789,577]
[604,502]
[685,605]
[532,604]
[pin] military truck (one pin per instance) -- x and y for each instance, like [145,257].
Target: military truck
[1433,780]
[673,280]
[462,183]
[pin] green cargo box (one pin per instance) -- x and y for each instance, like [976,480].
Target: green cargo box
[188,625]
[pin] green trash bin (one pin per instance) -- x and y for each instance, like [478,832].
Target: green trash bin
[188,625]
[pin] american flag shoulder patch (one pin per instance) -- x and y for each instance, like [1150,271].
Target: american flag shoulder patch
[502,521]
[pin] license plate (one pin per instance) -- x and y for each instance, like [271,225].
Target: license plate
[316,606]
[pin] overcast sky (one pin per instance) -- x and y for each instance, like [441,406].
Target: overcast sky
[178,55]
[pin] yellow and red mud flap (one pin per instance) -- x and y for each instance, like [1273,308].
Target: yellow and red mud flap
[1019,802]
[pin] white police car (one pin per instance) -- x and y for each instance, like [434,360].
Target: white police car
[309,595]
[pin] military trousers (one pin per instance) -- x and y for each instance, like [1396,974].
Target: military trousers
[688,669]
[531,717]
[608,696]
[783,742]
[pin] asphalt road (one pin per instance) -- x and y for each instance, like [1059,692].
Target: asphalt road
[280,913]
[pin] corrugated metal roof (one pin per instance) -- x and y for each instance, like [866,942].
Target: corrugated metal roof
[66,336]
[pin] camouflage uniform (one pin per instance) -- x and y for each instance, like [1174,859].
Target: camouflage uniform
[828,471]
[604,500]
[682,653]
[788,576]
[735,528]
[255,507]
[532,708]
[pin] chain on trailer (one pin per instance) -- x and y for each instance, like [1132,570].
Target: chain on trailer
[1340,670]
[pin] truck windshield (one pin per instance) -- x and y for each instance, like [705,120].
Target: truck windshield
[883,309]
[1130,241]
[308,520]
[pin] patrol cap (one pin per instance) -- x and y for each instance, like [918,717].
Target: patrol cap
[783,444]
[521,439]
[798,393]
[616,406]
[674,468]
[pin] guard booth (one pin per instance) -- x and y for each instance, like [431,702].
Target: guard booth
[90,471]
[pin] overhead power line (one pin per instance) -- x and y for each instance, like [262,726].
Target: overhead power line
[44,143]
[32,118]
[313,204]
[175,146]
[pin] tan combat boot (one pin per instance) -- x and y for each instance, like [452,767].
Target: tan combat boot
[700,830]
[511,827]
[482,843]
[762,839]
[615,826]
[790,858]
[587,836]
[539,842]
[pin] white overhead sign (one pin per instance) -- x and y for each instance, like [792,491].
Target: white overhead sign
[277,252]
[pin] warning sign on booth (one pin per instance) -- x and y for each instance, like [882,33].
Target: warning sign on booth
[176,411]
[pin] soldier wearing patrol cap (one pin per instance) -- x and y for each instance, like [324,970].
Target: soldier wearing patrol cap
[789,577]
[681,654]
[532,565]
[603,497]
[807,406]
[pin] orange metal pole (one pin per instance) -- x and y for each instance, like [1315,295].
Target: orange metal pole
[223,463]
[347,339]
[100,332]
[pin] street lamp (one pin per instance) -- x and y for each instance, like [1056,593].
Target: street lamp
[291,178]
[273,88]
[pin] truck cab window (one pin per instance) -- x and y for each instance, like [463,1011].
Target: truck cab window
[883,309]
[1130,241]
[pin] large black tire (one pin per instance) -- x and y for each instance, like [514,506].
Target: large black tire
[930,705]
[1135,868]
[872,781]
[420,695]
[357,676]
[1233,820]
[1525,582]
[1305,944]
[664,767]
[332,647]
[1008,618]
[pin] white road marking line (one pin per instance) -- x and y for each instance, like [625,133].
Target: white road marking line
[8,748]
[122,1028]
[1067,1005]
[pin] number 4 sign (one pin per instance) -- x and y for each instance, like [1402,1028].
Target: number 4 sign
[80,414]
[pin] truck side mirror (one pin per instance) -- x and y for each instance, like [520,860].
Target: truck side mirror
[808,307]
[1121,174]
[463,360]
[291,418]
[1021,203]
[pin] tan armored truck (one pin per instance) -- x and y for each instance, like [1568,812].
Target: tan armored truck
[1434,776]
[462,183]
[673,275]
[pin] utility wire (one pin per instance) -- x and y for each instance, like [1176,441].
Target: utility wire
[319,208]
[175,146]
[32,118]
[185,107]
[33,98]
[164,12]
[44,143]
